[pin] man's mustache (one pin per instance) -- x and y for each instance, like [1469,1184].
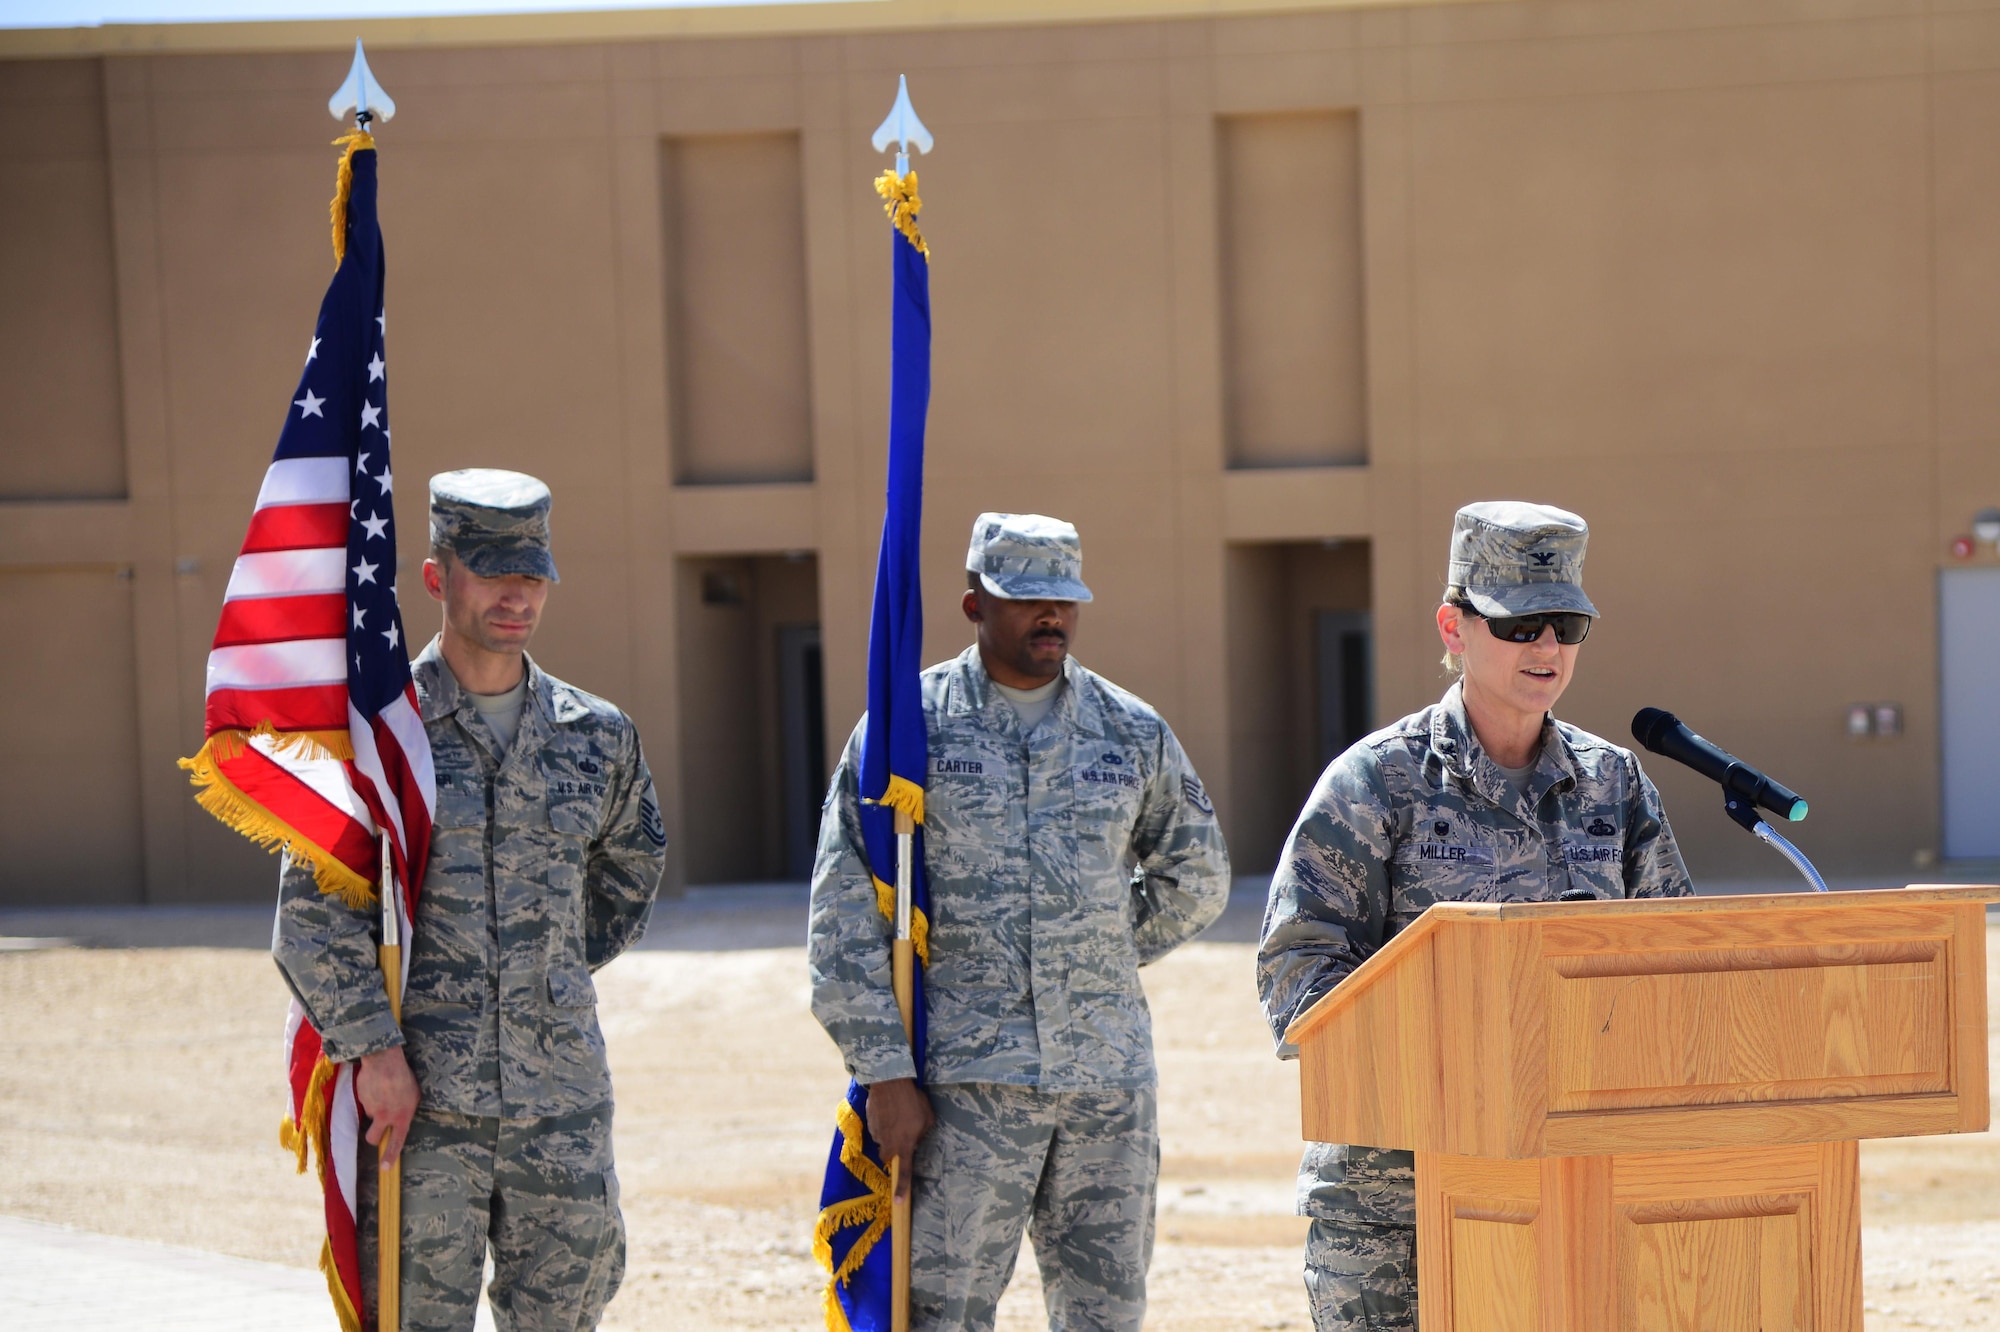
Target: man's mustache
[1041,635]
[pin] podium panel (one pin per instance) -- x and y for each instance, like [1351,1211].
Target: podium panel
[1728,1240]
[1525,1030]
[1748,1024]
[1641,1115]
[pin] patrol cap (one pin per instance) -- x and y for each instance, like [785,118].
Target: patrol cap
[1515,558]
[1026,557]
[495,522]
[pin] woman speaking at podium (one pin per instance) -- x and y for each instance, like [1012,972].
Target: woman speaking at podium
[1482,797]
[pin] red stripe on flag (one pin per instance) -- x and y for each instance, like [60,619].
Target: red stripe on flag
[296,527]
[409,801]
[281,619]
[342,1237]
[300,1060]
[307,708]
[304,810]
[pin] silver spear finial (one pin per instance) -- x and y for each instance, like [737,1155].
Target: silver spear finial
[903,129]
[361,94]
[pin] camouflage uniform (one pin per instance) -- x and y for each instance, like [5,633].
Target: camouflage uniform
[1059,863]
[543,865]
[1415,814]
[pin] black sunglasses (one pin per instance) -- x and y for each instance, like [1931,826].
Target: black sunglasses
[1571,627]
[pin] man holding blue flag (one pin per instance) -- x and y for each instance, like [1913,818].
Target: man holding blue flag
[1066,842]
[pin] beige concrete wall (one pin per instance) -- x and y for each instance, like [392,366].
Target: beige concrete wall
[59,333]
[1293,322]
[732,222]
[1721,278]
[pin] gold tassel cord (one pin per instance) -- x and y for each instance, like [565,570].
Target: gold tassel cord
[222,798]
[355,141]
[902,205]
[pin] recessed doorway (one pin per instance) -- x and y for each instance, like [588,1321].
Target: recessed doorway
[1301,682]
[753,717]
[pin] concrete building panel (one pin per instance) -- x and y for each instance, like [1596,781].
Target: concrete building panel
[58,308]
[733,216]
[72,739]
[1290,199]
[1716,275]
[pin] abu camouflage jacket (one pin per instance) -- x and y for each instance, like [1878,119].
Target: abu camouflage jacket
[1059,863]
[542,869]
[1415,814]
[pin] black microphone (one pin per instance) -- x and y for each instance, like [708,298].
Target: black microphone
[1666,735]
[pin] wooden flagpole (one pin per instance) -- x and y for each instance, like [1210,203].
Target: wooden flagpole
[903,964]
[389,1180]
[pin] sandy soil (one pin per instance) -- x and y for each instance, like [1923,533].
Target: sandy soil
[140,1094]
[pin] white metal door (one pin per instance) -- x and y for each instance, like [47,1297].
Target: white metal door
[1969,666]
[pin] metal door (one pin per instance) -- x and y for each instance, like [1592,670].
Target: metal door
[802,743]
[1344,661]
[1969,708]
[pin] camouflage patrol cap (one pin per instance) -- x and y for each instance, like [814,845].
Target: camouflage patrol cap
[495,522]
[1026,557]
[1515,558]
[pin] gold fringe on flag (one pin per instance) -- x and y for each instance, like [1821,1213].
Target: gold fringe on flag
[355,140]
[343,1308]
[920,928]
[902,205]
[311,1130]
[872,1207]
[227,802]
[905,795]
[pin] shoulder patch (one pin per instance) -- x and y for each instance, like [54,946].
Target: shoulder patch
[650,822]
[1191,789]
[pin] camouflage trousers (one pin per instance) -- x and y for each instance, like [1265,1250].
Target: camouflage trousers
[1076,1170]
[540,1192]
[1361,1277]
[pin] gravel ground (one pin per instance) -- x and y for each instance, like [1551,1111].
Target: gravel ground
[140,1094]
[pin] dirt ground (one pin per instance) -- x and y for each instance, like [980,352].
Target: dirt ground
[140,1095]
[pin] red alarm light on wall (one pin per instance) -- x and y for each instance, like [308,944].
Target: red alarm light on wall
[1962,547]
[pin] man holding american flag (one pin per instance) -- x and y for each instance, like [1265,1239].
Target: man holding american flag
[500,821]
[545,853]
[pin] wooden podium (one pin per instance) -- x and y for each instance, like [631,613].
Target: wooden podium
[1643,1115]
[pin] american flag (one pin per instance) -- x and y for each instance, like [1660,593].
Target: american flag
[314,742]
